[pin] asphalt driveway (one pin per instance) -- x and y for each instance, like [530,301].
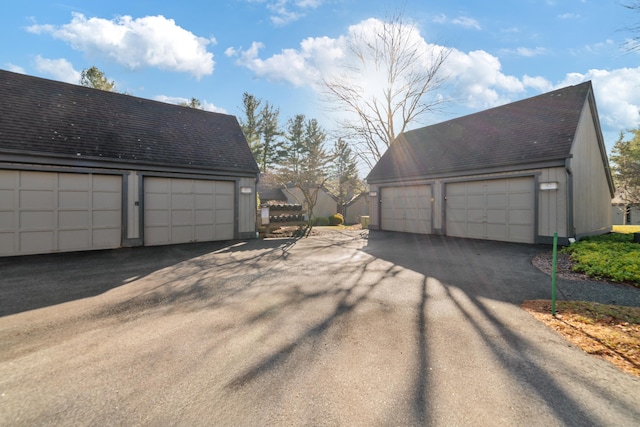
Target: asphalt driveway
[339,329]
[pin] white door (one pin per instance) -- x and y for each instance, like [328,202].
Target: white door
[406,209]
[497,209]
[43,212]
[187,210]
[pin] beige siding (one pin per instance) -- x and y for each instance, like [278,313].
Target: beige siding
[617,213]
[133,206]
[552,204]
[591,195]
[356,209]
[247,207]
[325,204]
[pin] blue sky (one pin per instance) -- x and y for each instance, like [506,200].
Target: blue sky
[276,49]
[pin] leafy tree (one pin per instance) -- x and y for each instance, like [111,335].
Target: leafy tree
[251,124]
[390,83]
[307,170]
[625,158]
[295,143]
[94,78]
[193,103]
[272,146]
[345,172]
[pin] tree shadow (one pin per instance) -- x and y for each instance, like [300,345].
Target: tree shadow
[485,271]
[36,281]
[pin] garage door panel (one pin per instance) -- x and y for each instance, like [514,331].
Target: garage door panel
[106,200]
[157,202]
[204,201]
[182,201]
[496,215]
[407,209]
[69,181]
[110,219]
[52,212]
[37,219]
[181,186]
[7,200]
[73,239]
[205,187]
[37,180]
[7,221]
[205,233]
[73,200]
[223,200]
[182,234]
[36,199]
[105,238]
[36,241]
[75,219]
[191,214]
[520,200]
[497,209]
[204,217]
[180,218]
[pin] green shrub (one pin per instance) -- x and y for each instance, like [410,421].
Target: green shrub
[611,256]
[336,219]
[321,221]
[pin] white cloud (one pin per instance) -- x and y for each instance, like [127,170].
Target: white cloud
[151,41]
[466,22]
[476,79]
[616,95]
[15,68]
[298,67]
[284,12]
[207,106]
[58,69]
[569,16]
[462,21]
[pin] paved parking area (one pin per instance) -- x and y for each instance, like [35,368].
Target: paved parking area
[338,329]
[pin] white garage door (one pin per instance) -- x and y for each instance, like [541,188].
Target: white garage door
[407,209]
[187,210]
[498,209]
[42,212]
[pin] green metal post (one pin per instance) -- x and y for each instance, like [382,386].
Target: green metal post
[553,274]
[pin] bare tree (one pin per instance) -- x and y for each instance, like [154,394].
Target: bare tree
[633,44]
[389,83]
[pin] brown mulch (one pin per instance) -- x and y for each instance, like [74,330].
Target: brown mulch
[611,339]
[564,266]
[614,338]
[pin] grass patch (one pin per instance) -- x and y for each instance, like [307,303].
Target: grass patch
[611,256]
[608,331]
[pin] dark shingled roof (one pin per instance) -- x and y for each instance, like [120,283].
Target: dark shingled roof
[45,117]
[541,128]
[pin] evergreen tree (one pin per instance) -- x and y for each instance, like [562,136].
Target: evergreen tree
[272,146]
[345,172]
[251,124]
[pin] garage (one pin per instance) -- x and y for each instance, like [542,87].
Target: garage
[58,212]
[187,210]
[497,209]
[406,209]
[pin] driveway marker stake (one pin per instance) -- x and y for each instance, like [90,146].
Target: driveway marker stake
[553,274]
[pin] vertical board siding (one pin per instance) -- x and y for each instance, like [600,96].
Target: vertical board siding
[591,196]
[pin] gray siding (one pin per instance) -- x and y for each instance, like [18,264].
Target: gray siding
[247,208]
[552,205]
[591,192]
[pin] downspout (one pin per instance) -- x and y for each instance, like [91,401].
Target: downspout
[571,232]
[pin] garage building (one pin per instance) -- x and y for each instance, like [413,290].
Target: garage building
[84,169]
[515,173]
